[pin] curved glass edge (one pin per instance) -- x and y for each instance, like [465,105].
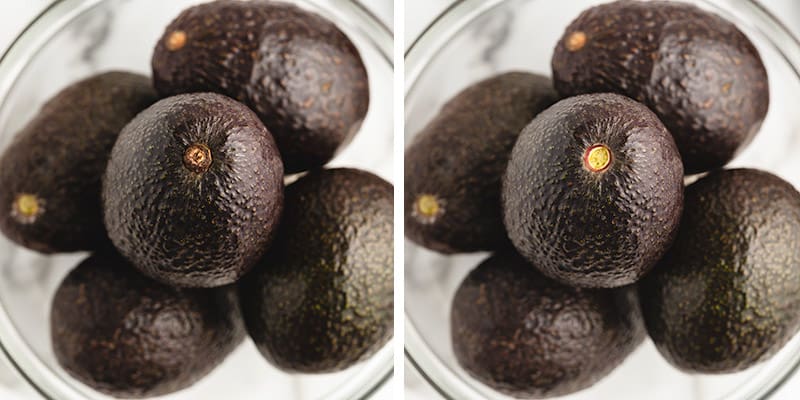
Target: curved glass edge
[23,48]
[419,54]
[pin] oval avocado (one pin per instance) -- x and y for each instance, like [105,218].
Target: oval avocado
[454,166]
[303,77]
[527,335]
[128,336]
[322,299]
[727,295]
[697,71]
[50,175]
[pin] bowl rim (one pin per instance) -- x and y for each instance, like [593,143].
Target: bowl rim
[417,57]
[13,61]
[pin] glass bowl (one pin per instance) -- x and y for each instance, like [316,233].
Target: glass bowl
[475,39]
[73,39]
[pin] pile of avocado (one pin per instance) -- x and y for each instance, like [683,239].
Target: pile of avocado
[175,185]
[576,185]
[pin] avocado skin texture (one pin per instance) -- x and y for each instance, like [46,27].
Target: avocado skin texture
[528,336]
[186,228]
[128,336]
[699,73]
[322,298]
[590,229]
[60,157]
[460,158]
[302,76]
[725,297]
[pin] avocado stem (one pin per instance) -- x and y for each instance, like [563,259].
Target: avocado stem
[26,208]
[176,40]
[576,41]
[427,208]
[597,158]
[197,158]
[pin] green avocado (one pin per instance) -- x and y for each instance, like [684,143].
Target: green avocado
[322,299]
[593,191]
[50,175]
[727,295]
[193,192]
[455,164]
[128,336]
[527,336]
[697,71]
[302,76]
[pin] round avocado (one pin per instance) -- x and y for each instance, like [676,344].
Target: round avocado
[593,191]
[193,192]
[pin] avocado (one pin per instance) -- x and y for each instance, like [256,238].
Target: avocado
[593,192]
[322,298]
[50,174]
[526,335]
[725,297]
[194,190]
[698,72]
[128,336]
[302,76]
[455,164]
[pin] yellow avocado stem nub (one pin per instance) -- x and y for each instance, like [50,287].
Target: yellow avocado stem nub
[26,208]
[597,158]
[428,208]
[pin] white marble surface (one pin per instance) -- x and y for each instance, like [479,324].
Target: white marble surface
[14,16]
[418,14]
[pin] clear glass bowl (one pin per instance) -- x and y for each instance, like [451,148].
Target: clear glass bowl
[475,39]
[73,39]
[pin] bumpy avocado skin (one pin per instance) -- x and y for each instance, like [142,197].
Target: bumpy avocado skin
[699,73]
[528,336]
[593,229]
[460,157]
[322,298]
[128,336]
[725,297]
[189,228]
[302,76]
[60,157]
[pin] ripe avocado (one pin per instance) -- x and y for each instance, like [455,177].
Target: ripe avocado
[529,336]
[50,174]
[593,191]
[726,295]
[322,298]
[302,76]
[194,190]
[699,73]
[126,335]
[454,166]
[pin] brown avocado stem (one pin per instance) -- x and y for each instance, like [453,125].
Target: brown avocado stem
[197,158]
[176,40]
